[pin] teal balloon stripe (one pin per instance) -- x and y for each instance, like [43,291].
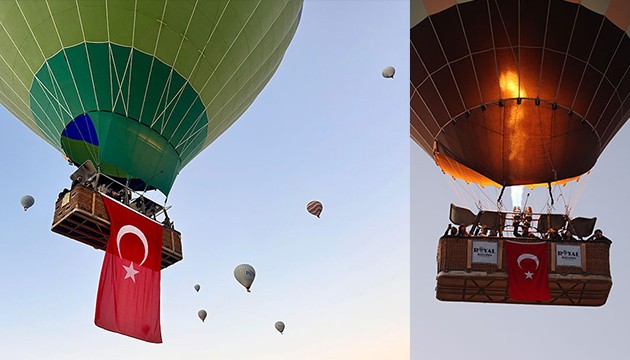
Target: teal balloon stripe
[107,77]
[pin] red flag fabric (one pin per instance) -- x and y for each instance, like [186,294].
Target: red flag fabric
[128,299]
[528,274]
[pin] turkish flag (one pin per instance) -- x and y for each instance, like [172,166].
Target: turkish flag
[128,299]
[528,274]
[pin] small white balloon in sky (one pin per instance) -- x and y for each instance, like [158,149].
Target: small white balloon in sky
[388,72]
[245,275]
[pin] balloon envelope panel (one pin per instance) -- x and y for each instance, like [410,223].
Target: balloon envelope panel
[184,70]
[518,92]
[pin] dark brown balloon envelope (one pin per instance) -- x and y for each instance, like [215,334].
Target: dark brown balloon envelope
[516,93]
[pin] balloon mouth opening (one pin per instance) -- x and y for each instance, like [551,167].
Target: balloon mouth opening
[525,144]
[25,208]
[458,170]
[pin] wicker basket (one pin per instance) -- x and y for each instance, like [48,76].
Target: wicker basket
[459,279]
[81,215]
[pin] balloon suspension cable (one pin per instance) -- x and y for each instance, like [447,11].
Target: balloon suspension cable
[480,190]
[459,188]
[567,209]
[477,197]
[127,192]
[454,185]
[479,205]
[526,200]
[499,202]
[550,193]
[563,198]
[582,181]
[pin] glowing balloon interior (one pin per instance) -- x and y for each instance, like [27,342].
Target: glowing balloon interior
[518,92]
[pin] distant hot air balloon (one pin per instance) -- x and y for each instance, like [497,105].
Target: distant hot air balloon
[280,326]
[202,315]
[388,72]
[518,92]
[27,201]
[197,287]
[138,87]
[245,275]
[315,208]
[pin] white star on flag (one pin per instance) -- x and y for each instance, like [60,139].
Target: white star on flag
[131,272]
[529,275]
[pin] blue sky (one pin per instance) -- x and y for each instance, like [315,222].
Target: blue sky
[491,331]
[326,127]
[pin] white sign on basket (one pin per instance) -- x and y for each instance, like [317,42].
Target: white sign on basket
[484,252]
[569,255]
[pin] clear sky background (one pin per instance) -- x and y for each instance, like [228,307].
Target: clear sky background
[326,127]
[451,330]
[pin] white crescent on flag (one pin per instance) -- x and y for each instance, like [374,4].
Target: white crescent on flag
[130,229]
[527,256]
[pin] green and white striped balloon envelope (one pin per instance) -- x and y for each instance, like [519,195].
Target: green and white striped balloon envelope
[138,87]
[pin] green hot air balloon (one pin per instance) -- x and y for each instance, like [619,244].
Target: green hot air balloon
[138,87]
